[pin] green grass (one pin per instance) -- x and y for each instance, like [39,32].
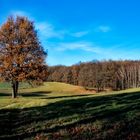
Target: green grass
[58,111]
[7,85]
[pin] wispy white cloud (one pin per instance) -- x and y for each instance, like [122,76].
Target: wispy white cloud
[105,52]
[103,29]
[85,46]
[47,30]
[79,34]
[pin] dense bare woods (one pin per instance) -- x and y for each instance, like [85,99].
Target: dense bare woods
[21,55]
[116,75]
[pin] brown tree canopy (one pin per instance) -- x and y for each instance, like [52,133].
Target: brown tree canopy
[21,55]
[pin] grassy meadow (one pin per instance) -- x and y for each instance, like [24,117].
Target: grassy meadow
[58,111]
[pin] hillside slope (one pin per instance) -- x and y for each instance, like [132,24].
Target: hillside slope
[44,113]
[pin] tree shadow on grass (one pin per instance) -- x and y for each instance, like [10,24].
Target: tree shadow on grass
[28,122]
[31,94]
[68,96]
[35,94]
[5,94]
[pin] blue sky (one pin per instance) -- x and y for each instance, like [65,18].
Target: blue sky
[82,30]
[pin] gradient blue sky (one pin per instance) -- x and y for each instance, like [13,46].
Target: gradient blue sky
[82,30]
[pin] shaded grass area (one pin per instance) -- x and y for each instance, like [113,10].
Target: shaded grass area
[77,117]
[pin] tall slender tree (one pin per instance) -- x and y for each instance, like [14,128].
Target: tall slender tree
[21,55]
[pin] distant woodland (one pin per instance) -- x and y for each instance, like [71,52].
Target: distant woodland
[114,75]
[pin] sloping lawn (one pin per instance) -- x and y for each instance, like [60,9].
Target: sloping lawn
[58,111]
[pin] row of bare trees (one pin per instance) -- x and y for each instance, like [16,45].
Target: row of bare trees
[116,75]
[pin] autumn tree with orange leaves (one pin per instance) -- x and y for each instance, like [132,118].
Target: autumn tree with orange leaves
[22,57]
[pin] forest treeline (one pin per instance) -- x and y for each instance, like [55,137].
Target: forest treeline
[115,75]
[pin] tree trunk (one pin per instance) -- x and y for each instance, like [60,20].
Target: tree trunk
[15,88]
[17,83]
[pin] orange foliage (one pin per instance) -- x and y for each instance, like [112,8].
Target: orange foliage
[21,55]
